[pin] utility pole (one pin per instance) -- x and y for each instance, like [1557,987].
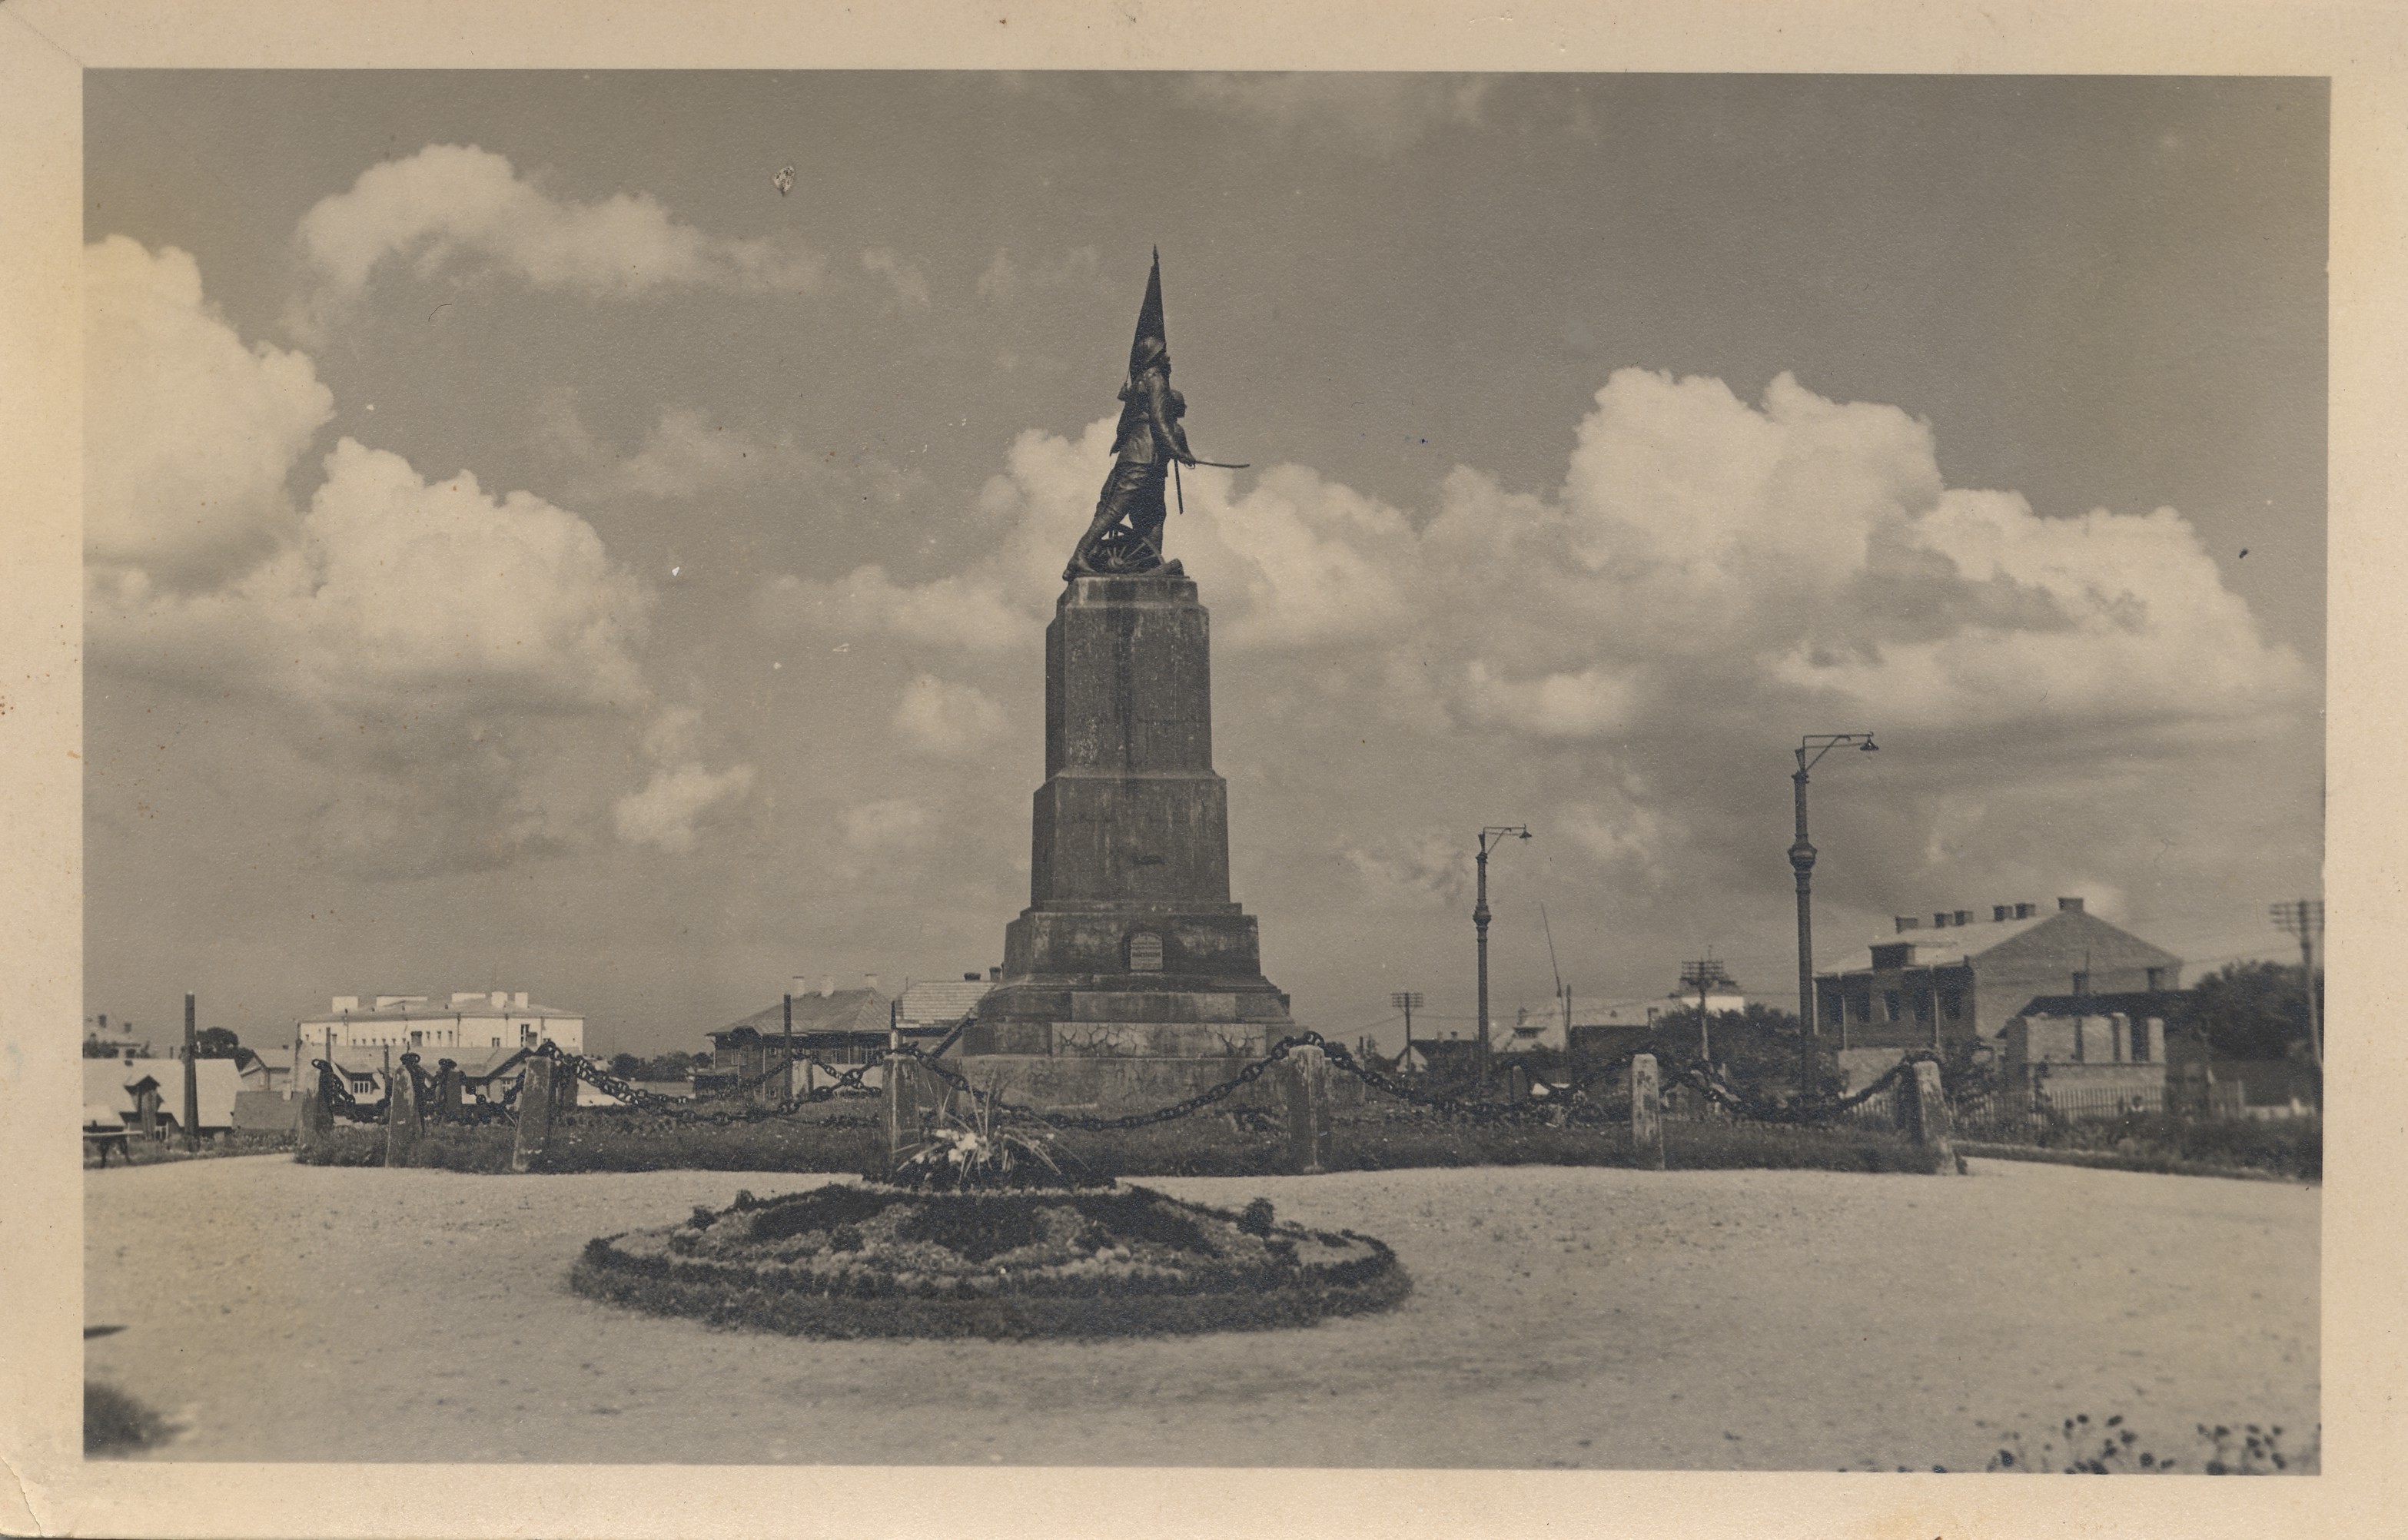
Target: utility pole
[789,1036]
[191,1078]
[1702,975]
[1404,1000]
[2305,918]
[1811,748]
[1480,922]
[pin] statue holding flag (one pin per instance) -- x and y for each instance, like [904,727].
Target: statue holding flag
[1125,538]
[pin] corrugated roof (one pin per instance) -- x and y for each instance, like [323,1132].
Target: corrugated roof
[846,1010]
[945,1000]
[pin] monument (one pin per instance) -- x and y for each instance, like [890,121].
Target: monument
[1132,980]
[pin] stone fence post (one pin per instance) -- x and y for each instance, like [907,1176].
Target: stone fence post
[1305,1078]
[1646,1113]
[909,1093]
[447,1092]
[404,1119]
[317,1118]
[533,1115]
[1927,1113]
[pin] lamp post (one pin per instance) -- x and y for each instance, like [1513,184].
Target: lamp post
[1494,833]
[1811,748]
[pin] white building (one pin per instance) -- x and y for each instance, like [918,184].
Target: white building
[478,1021]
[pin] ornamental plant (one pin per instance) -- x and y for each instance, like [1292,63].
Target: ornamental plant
[969,1147]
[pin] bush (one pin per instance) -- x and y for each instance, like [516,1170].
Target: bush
[592,1143]
[2151,1141]
[114,1423]
[1203,1145]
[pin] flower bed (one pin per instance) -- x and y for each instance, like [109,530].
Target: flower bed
[858,1260]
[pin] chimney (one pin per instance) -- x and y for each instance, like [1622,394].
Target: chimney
[869,982]
[2068,905]
[345,1004]
[1963,917]
[1905,923]
[995,975]
[828,985]
[103,1023]
[970,979]
[499,1000]
[2001,911]
[2024,911]
[1939,920]
[518,1000]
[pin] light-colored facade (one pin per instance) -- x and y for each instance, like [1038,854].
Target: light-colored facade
[1963,977]
[473,1021]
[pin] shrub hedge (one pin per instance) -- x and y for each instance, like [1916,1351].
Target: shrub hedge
[1192,1146]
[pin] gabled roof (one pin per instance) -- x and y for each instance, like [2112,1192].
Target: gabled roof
[106,1083]
[2010,943]
[844,1011]
[945,1000]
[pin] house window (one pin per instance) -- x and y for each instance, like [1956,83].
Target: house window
[2082,983]
[1923,1008]
[1144,952]
[1952,1003]
[1889,1005]
[2157,979]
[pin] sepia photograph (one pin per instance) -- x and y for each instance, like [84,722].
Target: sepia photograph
[1482,771]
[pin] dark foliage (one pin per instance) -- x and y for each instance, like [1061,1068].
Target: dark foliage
[2148,1141]
[1010,1316]
[2251,1010]
[114,1424]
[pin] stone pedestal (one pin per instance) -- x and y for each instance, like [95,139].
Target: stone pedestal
[1131,979]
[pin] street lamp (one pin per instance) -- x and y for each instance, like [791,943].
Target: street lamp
[1811,748]
[1480,920]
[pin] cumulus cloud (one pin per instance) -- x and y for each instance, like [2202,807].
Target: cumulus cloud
[1006,277]
[461,208]
[683,793]
[909,284]
[1711,573]
[1430,872]
[189,433]
[948,719]
[418,637]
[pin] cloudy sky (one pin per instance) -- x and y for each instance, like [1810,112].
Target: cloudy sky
[528,550]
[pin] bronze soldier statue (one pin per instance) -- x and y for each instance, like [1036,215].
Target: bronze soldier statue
[1125,535]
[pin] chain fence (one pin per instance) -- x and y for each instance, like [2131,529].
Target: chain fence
[1691,1088]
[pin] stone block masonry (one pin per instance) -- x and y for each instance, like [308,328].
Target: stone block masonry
[1132,946]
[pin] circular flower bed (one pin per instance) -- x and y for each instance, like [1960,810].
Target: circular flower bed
[860,1260]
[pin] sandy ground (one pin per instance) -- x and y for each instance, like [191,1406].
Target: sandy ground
[1627,1320]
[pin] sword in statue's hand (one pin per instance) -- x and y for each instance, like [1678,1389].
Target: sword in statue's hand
[1180,486]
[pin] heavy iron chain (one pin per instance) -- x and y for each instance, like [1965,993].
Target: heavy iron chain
[1805,1111]
[708,1109]
[1702,1076]
[341,1103]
